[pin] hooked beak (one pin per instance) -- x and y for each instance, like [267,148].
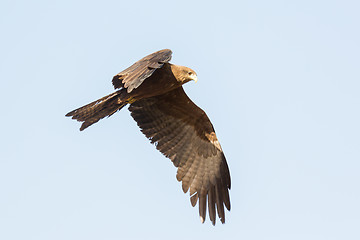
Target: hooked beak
[195,78]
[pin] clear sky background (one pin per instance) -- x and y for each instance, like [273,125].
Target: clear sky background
[280,81]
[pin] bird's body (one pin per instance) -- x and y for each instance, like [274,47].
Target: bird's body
[166,115]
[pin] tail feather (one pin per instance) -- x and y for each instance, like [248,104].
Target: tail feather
[93,112]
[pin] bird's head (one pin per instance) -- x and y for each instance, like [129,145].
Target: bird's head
[184,74]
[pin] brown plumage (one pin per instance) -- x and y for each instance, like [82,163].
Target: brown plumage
[180,130]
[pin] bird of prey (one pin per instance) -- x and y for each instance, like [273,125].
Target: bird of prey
[180,130]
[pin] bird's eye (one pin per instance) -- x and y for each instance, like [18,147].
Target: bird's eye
[190,73]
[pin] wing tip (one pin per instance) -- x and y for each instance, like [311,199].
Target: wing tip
[166,50]
[69,114]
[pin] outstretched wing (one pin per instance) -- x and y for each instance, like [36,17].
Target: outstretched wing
[183,133]
[133,76]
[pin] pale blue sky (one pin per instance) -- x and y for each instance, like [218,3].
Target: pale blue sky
[280,81]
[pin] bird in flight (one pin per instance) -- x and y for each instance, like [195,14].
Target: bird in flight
[180,130]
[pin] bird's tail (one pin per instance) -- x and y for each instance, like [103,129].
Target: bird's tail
[93,112]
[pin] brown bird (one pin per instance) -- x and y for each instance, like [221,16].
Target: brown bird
[180,130]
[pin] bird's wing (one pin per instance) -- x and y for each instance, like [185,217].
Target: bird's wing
[133,76]
[184,133]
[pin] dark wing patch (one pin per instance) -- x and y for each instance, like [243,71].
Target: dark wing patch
[183,133]
[133,76]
